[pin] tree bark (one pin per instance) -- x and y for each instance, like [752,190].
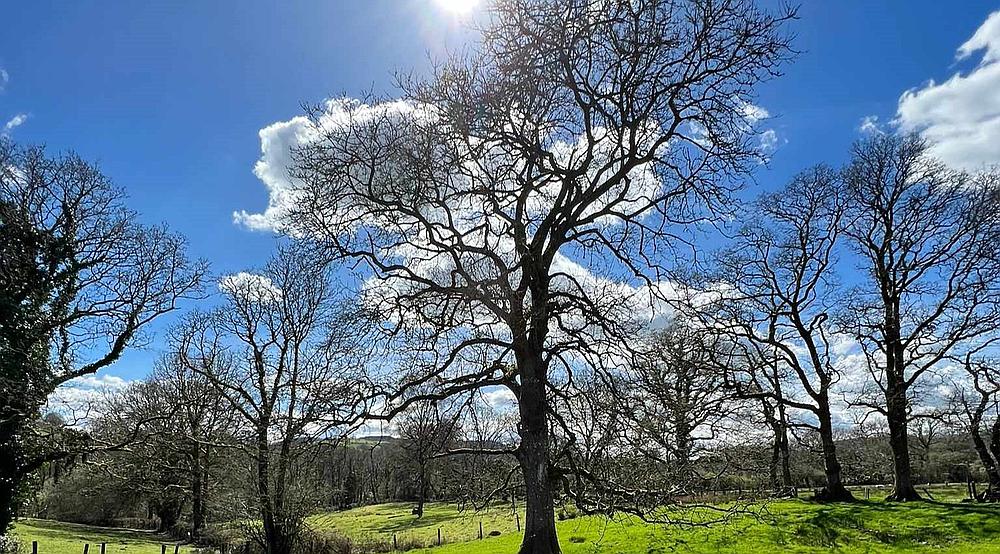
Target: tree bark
[276,538]
[786,464]
[197,493]
[835,491]
[904,490]
[421,492]
[533,457]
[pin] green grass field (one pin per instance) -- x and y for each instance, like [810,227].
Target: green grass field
[55,537]
[942,526]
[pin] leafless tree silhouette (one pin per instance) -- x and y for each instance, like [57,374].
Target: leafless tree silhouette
[578,132]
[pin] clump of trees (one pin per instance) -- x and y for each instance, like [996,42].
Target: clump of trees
[80,279]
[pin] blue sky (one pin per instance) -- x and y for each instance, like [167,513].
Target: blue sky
[170,97]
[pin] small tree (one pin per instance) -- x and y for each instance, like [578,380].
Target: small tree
[976,399]
[283,351]
[678,400]
[80,280]
[425,434]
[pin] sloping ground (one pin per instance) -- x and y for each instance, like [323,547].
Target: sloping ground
[787,526]
[56,537]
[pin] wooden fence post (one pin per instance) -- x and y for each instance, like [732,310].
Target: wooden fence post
[395,546]
[163,549]
[86,548]
[104,547]
[517,517]
[439,536]
[480,530]
[34,547]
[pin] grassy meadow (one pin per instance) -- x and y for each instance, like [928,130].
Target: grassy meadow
[944,525]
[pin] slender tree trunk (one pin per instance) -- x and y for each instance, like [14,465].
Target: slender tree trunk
[835,490]
[775,460]
[533,456]
[197,494]
[421,492]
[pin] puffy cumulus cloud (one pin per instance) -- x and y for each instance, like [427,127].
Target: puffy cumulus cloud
[961,116]
[13,123]
[251,286]
[278,143]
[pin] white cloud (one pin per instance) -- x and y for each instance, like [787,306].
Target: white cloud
[869,125]
[961,116]
[768,142]
[276,144]
[4,79]
[254,287]
[79,399]
[13,123]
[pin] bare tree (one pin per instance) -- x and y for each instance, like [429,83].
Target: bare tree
[977,399]
[780,285]
[926,237]
[575,136]
[284,352]
[679,402]
[425,434]
[80,280]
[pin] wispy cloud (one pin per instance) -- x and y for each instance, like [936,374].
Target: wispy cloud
[4,79]
[13,123]
[869,125]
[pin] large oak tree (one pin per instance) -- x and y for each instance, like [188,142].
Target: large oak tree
[495,205]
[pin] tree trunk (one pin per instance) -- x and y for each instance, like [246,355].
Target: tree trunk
[904,490]
[276,537]
[421,493]
[10,474]
[835,491]
[786,457]
[533,457]
[775,459]
[986,456]
[197,494]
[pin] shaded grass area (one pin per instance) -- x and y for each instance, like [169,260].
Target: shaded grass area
[55,537]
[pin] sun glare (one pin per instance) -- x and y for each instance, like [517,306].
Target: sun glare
[459,7]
